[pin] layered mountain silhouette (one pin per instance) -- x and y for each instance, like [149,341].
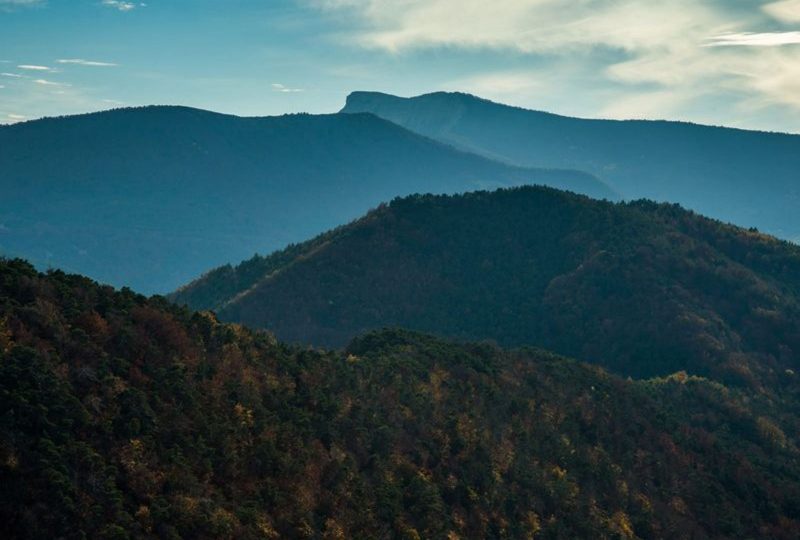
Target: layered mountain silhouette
[151,197]
[410,392]
[745,177]
[123,417]
[641,288]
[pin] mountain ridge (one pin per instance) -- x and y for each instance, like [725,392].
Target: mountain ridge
[150,197]
[644,289]
[354,100]
[742,176]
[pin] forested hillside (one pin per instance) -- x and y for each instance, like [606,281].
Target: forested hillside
[151,197]
[641,288]
[123,417]
[749,178]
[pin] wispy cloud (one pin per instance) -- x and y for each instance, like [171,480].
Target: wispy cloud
[786,10]
[620,57]
[39,94]
[11,75]
[754,39]
[123,6]
[277,87]
[45,82]
[31,67]
[525,25]
[82,62]
[7,5]
[12,118]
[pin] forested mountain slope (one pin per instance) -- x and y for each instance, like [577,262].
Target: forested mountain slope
[123,417]
[151,197]
[746,177]
[641,288]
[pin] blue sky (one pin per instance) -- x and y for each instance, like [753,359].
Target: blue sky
[731,62]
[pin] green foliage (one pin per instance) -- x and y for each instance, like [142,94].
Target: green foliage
[123,417]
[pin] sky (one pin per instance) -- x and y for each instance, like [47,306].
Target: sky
[721,62]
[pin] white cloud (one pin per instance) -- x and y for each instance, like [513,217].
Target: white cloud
[774,75]
[785,10]
[2,86]
[6,5]
[46,97]
[277,87]
[15,117]
[123,6]
[621,57]
[45,82]
[82,62]
[11,75]
[544,26]
[31,67]
[754,39]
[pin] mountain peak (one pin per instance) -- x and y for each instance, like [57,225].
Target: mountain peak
[712,170]
[365,101]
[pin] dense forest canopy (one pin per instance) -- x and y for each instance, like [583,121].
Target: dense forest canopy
[644,289]
[124,417]
[749,178]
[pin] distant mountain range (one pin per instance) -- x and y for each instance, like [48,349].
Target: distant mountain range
[640,288]
[151,197]
[126,417]
[397,379]
[748,178]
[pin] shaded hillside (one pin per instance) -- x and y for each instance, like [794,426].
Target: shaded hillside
[641,288]
[151,197]
[745,177]
[125,417]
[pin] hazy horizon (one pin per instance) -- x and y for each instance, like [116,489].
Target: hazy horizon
[277,114]
[708,62]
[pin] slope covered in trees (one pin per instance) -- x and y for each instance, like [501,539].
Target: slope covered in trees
[126,417]
[641,288]
[745,177]
[151,197]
